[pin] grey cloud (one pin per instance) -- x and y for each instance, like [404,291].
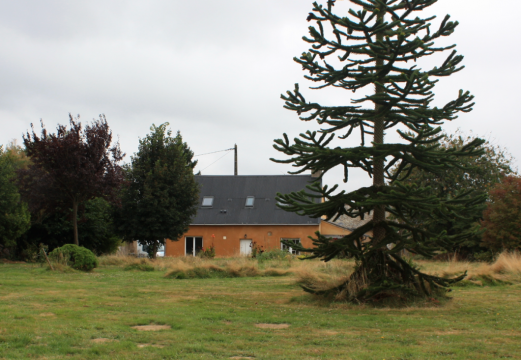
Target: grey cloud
[215,71]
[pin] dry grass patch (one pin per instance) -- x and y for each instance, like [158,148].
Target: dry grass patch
[151,327]
[450,332]
[151,345]
[272,326]
[328,332]
[47,314]
[102,340]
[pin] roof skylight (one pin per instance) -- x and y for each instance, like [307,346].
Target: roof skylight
[249,201]
[207,201]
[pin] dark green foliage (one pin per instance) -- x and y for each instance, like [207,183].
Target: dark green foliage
[161,195]
[14,215]
[477,175]
[96,231]
[96,228]
[377,47]
[273,254]
[78,257]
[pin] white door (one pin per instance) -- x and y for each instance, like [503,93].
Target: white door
[245,247]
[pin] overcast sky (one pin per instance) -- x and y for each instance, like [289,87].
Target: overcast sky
[215,71]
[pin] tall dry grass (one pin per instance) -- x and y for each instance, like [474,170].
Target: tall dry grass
[506,268]
[233,267]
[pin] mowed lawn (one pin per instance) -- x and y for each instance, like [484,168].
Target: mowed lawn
[54,315]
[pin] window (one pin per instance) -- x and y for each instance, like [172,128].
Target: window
[249,201]
[193,244]
[290,249]
[207,201]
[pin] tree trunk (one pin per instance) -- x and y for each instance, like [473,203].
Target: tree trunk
[75,221]
[154,247]
[378,164]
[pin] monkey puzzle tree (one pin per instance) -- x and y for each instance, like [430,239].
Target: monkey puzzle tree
[378,45]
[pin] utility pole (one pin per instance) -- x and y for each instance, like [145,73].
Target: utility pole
[235,172]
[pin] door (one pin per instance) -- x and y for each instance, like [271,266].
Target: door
[193,244]
[245,247]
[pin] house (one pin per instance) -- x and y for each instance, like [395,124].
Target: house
[344,225]
[237,212]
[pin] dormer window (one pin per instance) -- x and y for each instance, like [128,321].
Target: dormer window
[249,201]
[207,201]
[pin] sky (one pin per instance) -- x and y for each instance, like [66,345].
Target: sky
[214,70]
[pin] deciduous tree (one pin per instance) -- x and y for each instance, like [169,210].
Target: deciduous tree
[72,166]
[161,194]
[14,216]
[502,218]
[376,48]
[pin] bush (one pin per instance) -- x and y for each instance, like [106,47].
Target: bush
[76,257]
[274,254]
[208,253]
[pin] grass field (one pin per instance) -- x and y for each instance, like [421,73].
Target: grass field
[74,315]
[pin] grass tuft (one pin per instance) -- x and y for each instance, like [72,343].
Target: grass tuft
[141,266]
[207,271]
[506,269]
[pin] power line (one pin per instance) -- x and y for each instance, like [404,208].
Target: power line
[213,152]
[215,160]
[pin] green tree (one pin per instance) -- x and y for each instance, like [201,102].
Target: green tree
[54,229]
[476,174]
[502,218]
[14,215]
[376,48]
[161,195]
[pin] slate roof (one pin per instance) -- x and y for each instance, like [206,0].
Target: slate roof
[351,223]
[230,194]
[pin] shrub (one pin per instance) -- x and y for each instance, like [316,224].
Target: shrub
[75,256]
[208,253]
[273,254]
